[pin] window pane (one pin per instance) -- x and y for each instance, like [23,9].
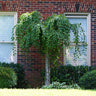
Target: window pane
[70,59]
[6,53]
[6,25]
[83,22]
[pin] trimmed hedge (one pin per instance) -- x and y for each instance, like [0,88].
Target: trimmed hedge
[8,78]
[88,80]
[69,74]
[19,72]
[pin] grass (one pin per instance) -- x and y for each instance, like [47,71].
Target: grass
[46,92]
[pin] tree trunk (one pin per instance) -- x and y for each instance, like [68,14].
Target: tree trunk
[47,69]
[64,54]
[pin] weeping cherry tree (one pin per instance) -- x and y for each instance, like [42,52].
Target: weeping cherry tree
[49,36]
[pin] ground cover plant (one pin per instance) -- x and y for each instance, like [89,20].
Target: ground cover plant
[46,92]
[58,85]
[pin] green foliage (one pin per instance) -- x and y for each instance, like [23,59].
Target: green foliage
[88,80]
[19,72]
[57,85]
[48,35]
[69,74]
[8,78]
[27,30]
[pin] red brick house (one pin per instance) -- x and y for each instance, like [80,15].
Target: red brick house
[77,11]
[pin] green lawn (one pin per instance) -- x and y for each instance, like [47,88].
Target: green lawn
[46,92]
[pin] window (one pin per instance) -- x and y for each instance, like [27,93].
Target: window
[7,21]
[84,58]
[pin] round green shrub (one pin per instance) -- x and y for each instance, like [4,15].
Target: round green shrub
[19,70]
[88,80]
[8,78]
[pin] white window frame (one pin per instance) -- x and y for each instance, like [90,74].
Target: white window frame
[11,42]
[88,17]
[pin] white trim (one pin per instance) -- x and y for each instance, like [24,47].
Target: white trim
[15,22]
[76,16]
[73,44]
[89,39]
[88,17]
[8,13]
[15,42]
[8,42]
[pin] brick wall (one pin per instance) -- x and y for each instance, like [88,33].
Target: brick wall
[47,8]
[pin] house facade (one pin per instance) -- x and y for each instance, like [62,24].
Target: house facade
[77,11]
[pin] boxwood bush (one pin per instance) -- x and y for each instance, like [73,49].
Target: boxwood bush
[19,72]
[88,80]
[69,74]
[8,78]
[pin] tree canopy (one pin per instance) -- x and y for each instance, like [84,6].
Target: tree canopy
[49,34]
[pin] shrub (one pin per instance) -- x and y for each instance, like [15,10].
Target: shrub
[88,80]
[8,77]
[69,74]
[19,72]
[57,85]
